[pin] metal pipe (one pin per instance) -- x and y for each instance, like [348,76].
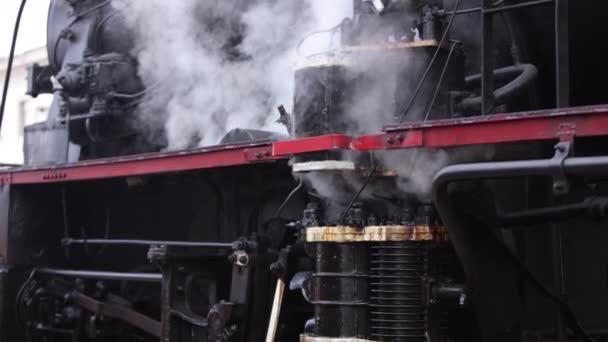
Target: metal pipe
[585,166]
[562,54]
[480,254]
[487,59]
[124,242]
[521,76]
[594,207]
[138,277]
[496,9]
[559,279]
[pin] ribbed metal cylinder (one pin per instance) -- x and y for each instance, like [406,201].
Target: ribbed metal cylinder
[339,290]
[397,300]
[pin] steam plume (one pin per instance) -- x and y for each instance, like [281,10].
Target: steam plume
[219,65]
[212,66]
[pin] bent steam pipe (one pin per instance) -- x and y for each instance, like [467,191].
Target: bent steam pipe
[494,275]
[521,76]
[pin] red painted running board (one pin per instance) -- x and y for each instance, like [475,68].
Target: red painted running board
[563,124]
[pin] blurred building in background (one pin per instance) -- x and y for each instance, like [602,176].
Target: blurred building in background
[21,109]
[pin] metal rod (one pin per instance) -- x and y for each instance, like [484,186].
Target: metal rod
[426,73]
[517,6]
[440,82]
[474,9]
[466,11]
[593,207]
[140,277]
[562,54]
[487,59]
[122,242]
[583,166]
[123,313]
[558,278]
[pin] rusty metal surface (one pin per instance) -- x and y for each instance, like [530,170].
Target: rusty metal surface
[391,46]
[344,234]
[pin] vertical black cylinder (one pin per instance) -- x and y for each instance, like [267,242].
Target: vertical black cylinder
[339,290]
[397,296]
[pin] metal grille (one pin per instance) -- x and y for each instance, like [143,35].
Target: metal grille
[397,300]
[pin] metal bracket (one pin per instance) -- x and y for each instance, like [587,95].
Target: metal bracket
[566,131]
[5,179]
[241,258]
[563,150]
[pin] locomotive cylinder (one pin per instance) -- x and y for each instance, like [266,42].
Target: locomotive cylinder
[375,283]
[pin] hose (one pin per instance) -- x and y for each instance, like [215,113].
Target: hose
[521,76]
[288,198]
[11,57]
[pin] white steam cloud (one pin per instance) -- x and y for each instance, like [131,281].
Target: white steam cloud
[213,66]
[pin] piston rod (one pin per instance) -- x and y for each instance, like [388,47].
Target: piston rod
[138,277]
[221,245]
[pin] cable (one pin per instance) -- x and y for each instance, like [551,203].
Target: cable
[476,9]
[440,82]
[92,9]
[11,57]
[103,21]
[19,314]
[134,95]
[332,29]
[288,198]
[358,194]
[428,69]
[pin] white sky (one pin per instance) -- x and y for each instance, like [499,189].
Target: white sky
[32,32]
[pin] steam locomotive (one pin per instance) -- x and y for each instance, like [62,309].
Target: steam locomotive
[443,180]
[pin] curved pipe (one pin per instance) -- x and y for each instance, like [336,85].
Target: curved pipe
[596,166]
[493,272]
[521,76]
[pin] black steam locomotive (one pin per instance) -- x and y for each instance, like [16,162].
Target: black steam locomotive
[443,180]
